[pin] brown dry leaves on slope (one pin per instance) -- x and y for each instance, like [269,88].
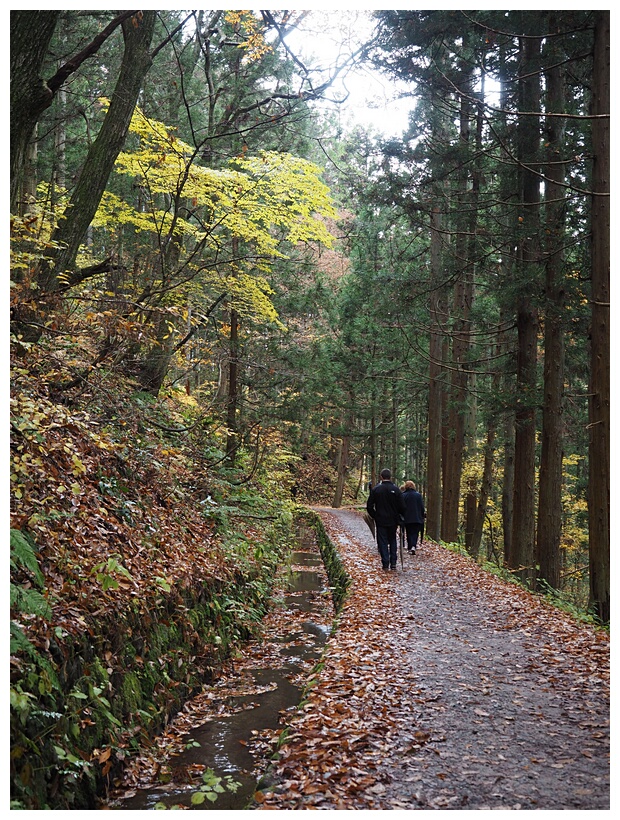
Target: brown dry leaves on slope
[444,687]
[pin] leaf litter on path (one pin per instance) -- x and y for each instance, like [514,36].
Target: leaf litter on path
[444,687]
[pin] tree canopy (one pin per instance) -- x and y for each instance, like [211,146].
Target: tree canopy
[225,302]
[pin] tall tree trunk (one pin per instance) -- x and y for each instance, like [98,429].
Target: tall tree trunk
[506,421]
[102,154]
[59,175]
[486,486]
[476,505]
[396,459]
[470,513]
[31,32]
[508,487]
[159,357]
[524,523]
[157,360]
[549,532]
[28,190]
[233,389]
[373,445]
[188,352]
[599,406]
[433,473]
[343,458]
[461,311]
[60,141]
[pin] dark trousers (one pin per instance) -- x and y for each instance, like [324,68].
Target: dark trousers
[413,531]
[388,546]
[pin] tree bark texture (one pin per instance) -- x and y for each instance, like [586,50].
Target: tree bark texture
[506,345]
[599,406]
[524,523]
[31,32]
[373,442]
[137,32]
[508,486]
[433,475]
[233,389]
[343,458]
[486,486]
[549,531]
[470,514]
[461,311]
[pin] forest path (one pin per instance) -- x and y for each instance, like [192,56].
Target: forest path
[444,687]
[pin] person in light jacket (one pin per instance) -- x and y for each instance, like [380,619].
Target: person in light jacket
[414,516]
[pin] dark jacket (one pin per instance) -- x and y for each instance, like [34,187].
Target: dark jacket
[385,504]
[414,507]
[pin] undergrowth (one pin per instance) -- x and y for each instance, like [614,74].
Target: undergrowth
[138,560]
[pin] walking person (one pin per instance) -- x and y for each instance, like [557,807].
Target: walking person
[385,506]
[414,515]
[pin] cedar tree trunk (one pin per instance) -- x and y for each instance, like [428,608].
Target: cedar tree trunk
[599,453]
[523,523]
[550,476]
[433,474]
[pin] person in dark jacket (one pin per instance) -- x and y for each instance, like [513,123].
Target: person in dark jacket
[385,506]
[414,515]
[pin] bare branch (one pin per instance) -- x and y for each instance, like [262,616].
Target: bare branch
[70,67]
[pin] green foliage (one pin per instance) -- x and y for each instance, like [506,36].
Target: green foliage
[564,602]
[213,786]
[106,572]
[23,555]
[23,599]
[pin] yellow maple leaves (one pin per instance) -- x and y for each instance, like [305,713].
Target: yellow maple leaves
[260,200]
[261,205]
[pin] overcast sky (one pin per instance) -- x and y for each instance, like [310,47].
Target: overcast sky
[327,38]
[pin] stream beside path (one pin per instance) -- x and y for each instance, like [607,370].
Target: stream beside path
[445,687]
[237,719]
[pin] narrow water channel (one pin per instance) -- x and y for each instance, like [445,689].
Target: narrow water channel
[253,702]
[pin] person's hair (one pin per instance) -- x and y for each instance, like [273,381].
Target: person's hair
[385,474]
[409,485]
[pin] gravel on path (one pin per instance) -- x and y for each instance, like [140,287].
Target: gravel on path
[444,687]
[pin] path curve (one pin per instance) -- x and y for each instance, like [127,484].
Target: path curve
[446,688]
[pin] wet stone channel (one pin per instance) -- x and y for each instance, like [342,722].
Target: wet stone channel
[237,720]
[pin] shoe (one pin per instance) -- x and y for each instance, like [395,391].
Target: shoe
[410,551]
[386,566]
[394,567]
[413,552]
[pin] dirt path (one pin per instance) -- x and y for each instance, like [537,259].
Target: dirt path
[446,688]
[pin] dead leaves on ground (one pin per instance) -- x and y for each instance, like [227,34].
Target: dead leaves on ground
[282,627]
[365,713]
[353,715]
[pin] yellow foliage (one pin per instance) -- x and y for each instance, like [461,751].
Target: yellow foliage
[247,200]
[181,397]
[251,297]
[257,202]
[254,43]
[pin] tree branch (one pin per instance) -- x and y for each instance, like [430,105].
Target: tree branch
[70,67]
